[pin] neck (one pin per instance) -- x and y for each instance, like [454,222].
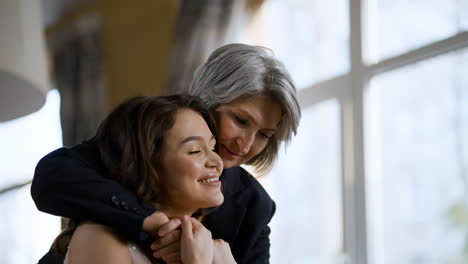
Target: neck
[172,212]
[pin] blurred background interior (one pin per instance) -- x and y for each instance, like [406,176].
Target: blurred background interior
[378,172]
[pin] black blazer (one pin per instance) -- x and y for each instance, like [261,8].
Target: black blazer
[68,183]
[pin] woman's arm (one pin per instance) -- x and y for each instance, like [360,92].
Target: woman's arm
[252,244]
[67,183]
[259,252]
[257,246]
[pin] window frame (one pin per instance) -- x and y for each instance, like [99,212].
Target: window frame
[348,89]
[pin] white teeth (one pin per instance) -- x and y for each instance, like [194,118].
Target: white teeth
[208,180]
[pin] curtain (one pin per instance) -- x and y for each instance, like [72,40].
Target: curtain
[203,26]
[78,70]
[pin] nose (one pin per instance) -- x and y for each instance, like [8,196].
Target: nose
[245,142]
[215,161]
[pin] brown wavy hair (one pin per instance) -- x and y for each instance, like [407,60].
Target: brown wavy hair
[130,141]
[131,137]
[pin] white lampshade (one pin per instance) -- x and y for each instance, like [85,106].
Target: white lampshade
[23,65]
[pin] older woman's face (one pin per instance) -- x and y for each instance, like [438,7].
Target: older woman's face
[244,128]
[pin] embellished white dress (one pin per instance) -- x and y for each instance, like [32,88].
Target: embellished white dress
[137,256]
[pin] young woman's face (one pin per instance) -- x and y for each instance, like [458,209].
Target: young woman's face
[189,167]
[244,128]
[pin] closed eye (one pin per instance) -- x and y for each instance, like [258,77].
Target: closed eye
[194,152]
[240,120]
[265,135]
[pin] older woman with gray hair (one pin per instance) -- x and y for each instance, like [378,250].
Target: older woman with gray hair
[254,103]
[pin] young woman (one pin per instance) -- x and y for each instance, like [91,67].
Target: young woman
[254,103]
[162,149]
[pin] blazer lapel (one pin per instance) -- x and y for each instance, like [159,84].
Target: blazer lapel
[224,222]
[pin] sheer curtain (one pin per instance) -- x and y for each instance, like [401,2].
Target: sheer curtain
[202,27]
[77,57]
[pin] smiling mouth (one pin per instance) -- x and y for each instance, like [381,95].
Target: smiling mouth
[209,180]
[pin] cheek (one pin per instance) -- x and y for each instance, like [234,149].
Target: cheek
[257,147]
[181,171]
[188,169]
[225,128]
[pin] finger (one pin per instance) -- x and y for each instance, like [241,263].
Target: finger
[196,224]
[186,228]
[173,248]
[166,240]
[170,226]
[218,242]
[174,257]
[153,222]
[222,242]
[199,227]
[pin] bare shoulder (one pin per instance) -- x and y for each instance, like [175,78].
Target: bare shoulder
[94,243]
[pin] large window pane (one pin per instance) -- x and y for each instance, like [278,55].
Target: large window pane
[397,26]
[306,186]
[25,233]
[310,36]
[25,140]
[417,162]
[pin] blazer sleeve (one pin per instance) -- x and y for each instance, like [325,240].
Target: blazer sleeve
[260,251]
[67,183]
[253,242]
[259,246]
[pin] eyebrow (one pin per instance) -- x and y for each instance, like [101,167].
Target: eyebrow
[194,138]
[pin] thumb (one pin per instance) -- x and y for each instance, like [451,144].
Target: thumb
[196,225]
[186,228]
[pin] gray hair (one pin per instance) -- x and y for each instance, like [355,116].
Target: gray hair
[237,71]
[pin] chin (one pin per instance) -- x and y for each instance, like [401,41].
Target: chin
[216,201]
[220,200]
[229,164]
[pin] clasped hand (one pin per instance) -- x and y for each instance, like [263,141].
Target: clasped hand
[185,241]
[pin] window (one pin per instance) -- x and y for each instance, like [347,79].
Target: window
[306,186]
[310,37]
[24,141]
[398,26]
[417,162]
[381,145]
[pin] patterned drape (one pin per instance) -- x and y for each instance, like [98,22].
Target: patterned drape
[202,26]
[78,71]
